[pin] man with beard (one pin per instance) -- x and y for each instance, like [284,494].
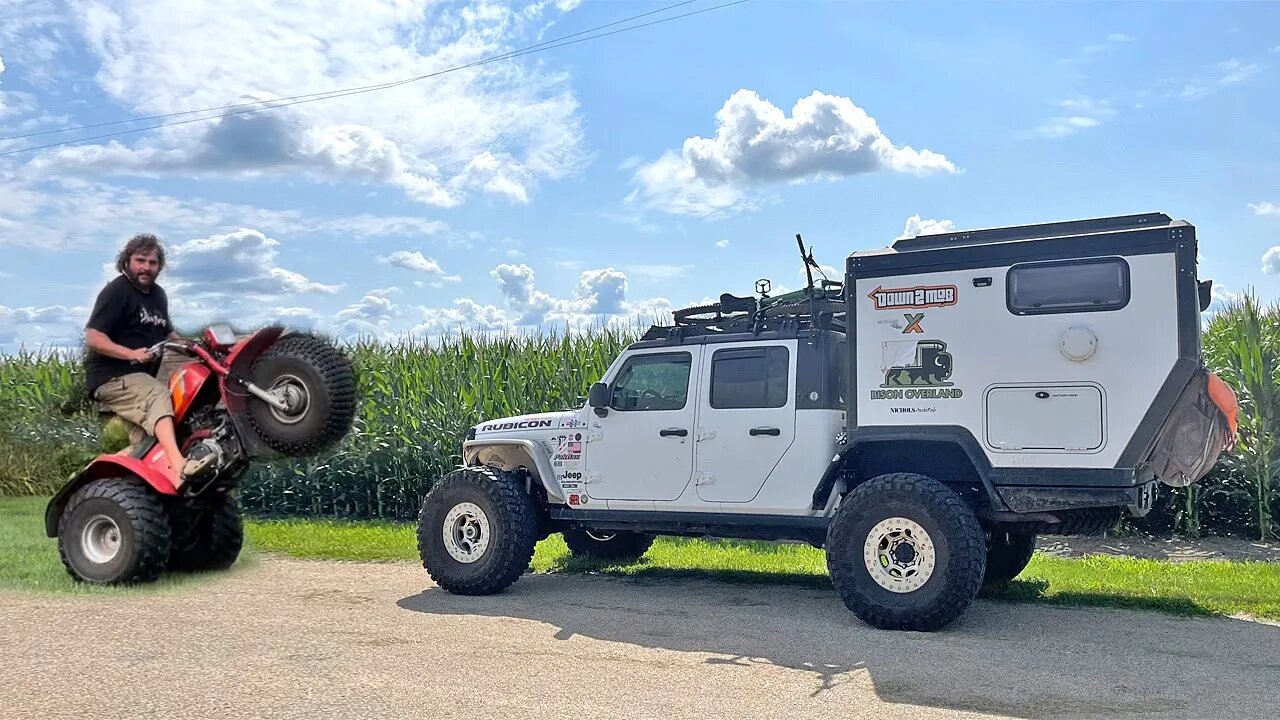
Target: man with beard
[130,315]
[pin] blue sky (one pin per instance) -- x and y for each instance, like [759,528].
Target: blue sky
[609,179]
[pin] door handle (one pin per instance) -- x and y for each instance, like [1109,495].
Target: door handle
[668,432]
[766,431]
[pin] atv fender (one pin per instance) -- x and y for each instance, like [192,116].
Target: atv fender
[105,466]
[514,453]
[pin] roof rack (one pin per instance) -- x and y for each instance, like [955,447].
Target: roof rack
[1141,221]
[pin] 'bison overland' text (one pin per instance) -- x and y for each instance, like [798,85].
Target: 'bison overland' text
[924,393]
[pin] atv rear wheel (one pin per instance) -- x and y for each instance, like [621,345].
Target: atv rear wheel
[606,545]
[113,532]
[905,552]
[1007,555]
[216,541]
[319,385]
[477,530]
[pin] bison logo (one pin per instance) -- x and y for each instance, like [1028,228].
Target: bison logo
[931,367]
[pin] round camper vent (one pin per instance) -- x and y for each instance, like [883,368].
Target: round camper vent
[1078,344]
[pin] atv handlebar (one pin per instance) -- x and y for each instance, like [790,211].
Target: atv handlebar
[183,346]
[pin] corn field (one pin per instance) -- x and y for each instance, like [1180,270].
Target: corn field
[418,399]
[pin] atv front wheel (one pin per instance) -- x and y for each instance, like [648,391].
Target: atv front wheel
[476,531]
[114,532]
[617,546]
[319,386]
[214,543]
[1007,555]
[905,552]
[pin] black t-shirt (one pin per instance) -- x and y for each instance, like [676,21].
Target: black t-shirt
[132,318]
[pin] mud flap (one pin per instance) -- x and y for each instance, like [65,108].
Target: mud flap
[1194,435]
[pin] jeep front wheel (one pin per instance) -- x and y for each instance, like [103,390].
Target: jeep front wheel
[618,546]
[477,530]
[905,552]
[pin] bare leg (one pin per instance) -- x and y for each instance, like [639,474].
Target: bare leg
[165,436]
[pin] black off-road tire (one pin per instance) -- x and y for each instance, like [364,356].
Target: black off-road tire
[140,524]
[330,381]
[1007,555]
[512,526]
[215,543]
[1085,521]
[959,552]
[618,546]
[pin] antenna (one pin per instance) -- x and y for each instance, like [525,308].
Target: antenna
[808,263]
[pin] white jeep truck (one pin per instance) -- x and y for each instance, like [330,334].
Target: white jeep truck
[922,420]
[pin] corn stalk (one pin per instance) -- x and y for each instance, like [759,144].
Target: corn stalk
[1244,348]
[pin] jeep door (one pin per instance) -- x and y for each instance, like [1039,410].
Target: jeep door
[642,449]
[746,418]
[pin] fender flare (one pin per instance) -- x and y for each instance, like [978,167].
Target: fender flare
[542,466]
[949,434]
[104,466]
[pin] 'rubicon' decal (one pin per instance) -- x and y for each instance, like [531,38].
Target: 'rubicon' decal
[926,296]
[514,425]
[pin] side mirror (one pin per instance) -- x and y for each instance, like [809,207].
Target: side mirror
[1205,289]
[598,398]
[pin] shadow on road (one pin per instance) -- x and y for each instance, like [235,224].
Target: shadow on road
[1021,660]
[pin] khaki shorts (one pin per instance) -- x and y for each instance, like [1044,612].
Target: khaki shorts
[139,399]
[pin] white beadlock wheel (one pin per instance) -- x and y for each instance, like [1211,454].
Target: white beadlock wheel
[899,555]
[466,532]
[601,536]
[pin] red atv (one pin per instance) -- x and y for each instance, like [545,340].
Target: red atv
[120,520]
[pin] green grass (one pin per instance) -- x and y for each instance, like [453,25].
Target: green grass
[29,560]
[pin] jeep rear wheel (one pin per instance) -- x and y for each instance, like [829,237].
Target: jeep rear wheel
[1007,555]
[477,530]
[113,532]
[905,552]
[608,545]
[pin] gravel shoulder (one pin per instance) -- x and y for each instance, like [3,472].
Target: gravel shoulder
[282,638]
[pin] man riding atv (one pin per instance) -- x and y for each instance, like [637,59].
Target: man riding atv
[130,315]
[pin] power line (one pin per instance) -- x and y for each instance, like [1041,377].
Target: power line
[327,93]
[315,97]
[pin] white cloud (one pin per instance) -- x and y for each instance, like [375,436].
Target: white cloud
[1265,208]
[52,326]
[599,292]
[368,317]
[234,267]
[919,226]
[604,291]
[417,262]
[1223,74]
[77,213]
[659,272]
[466,315]
[1271,261]
[1120,38]
[722,244]
[1081,113]
[500,128]
[756,144]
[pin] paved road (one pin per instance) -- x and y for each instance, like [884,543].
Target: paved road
[292,639]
